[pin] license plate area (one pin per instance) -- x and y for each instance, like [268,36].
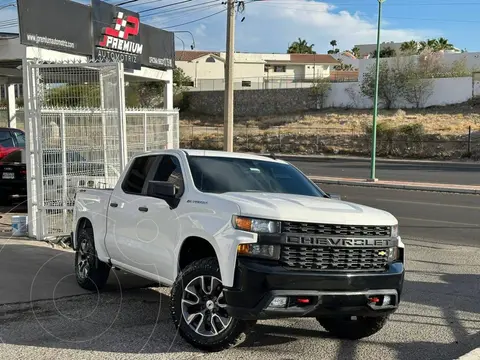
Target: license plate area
[8,176]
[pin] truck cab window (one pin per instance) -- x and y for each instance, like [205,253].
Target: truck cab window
[170,170]
[135,179]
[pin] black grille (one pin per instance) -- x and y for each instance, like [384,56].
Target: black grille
[334,258]
[332,229]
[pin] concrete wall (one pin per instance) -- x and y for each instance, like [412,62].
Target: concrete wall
[283,101]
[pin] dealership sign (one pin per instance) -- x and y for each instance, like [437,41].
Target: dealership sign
[116,34]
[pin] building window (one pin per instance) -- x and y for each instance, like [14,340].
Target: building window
[210,59]
[246,83]
[280,68]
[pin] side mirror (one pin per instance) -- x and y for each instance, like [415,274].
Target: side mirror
[335,196]
[161,189]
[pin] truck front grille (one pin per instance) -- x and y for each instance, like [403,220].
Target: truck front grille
[332,229]
[334,258]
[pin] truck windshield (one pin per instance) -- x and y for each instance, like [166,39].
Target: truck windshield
[224,174]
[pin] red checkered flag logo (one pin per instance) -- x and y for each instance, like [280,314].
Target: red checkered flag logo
[124,26]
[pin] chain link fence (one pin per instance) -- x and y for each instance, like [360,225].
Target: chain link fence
[349,140]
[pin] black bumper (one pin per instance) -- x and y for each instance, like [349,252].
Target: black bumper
[328,294]
[13,189]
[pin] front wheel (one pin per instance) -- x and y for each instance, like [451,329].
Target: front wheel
[353,328]
[197,307]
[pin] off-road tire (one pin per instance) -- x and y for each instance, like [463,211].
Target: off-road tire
[353,329]
[234,335]
[98,272]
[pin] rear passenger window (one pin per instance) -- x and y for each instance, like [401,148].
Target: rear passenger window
[169,170]
[136,176]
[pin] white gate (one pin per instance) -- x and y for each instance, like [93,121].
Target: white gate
[66,150]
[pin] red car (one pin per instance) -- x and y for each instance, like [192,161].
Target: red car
[11,140]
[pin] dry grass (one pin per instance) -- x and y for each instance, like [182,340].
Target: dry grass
[448,120]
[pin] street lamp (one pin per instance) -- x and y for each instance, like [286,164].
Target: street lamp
[375,97]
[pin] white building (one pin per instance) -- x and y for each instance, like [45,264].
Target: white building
[254,71]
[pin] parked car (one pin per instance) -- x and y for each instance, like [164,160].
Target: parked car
[11,140]
[80,172]
[240,238]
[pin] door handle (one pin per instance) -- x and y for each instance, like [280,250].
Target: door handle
[112,204]
[143,209]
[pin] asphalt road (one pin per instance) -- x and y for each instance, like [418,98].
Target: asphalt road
[45,315]
[438,319]
[439,217]
[445,173]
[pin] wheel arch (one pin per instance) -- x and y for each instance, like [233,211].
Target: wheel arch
[82,223]
[194,248]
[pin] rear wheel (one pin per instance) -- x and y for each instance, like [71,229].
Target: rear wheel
[353,328]
[198,309]
[91,273]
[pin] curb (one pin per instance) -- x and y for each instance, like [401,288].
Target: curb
[472,355]
[318,158]
[398,186]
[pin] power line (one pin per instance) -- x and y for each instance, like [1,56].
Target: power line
[164,6]
[202,18]
[186,9]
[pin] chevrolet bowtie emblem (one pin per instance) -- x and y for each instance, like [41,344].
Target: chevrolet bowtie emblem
[382,253]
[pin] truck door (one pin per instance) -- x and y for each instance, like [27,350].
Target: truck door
[121,241]
[144,229]
[160,224]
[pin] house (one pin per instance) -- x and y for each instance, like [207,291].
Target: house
[254,70]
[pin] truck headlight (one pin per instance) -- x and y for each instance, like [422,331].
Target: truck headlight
[265,251]
[255,225]
[394,231]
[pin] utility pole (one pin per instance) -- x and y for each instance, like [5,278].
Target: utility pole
[375,98]
[229,61]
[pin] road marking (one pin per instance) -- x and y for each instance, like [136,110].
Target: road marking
[438,221]
[429,203]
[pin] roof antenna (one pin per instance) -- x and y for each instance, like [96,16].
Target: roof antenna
[272,155]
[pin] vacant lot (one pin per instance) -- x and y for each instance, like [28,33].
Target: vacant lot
[440,132]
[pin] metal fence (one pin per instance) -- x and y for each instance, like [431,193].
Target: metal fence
[266,83]
[79,134]
[347,140]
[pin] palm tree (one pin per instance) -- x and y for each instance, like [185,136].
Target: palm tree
[300,47]
[431,44]
[409,47]
[356,51]
[333,43]
[443,44]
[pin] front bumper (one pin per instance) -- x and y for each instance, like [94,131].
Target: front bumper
[15,189]
[328,294]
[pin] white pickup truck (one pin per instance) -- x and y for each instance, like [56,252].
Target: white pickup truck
[240,238]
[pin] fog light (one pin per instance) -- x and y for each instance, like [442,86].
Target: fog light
[278,302]
[387,300]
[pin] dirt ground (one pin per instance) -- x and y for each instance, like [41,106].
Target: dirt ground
[446,120]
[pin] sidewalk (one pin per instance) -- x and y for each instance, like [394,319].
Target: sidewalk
[405,185]
[316,158]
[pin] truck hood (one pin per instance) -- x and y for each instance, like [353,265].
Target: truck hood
[308,209]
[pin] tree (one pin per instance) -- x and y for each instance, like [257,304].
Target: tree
[390,85]
[300,47]
[385,52]
[356,51]
[150,93]
[416,84]
[320,89]
[410,47]
[443,44]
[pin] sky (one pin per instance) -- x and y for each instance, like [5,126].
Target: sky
[269,26]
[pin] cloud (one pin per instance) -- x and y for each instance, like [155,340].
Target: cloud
[270,26]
